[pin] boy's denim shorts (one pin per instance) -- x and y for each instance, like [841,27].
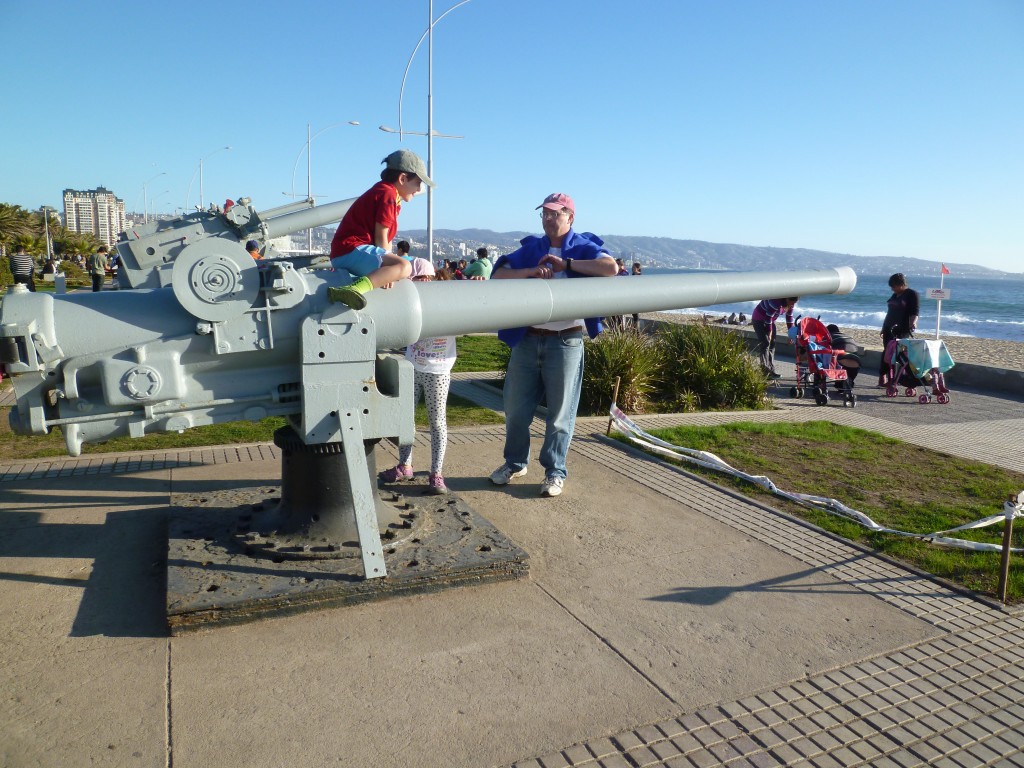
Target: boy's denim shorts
[361,261]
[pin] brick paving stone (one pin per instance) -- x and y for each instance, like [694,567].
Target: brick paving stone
[555,760]
[641,756]
[686,743]
[601,747]
[627,741]
[769,717]
[724,752]
[615,761]
[528,764]
[649,734]
[665,749]
[706,736]
[726,730]
[805,747]
[578,755]
[703,759]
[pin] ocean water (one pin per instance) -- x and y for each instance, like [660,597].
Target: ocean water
[983,307]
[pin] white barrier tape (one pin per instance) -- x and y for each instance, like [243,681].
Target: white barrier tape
[711,461]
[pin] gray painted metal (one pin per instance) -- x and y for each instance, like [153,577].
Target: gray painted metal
[209,336]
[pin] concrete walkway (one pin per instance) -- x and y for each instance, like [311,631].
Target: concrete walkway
[665,622]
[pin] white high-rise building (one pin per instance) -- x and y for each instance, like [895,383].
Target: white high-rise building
[94,210]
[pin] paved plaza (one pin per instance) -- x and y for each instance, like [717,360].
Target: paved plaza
[665,622]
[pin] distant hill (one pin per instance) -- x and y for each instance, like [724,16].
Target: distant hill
[698,254]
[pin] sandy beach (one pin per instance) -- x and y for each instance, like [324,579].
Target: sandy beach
[964,349]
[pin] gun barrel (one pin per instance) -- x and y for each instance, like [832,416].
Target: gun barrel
[410,311]
[307,218]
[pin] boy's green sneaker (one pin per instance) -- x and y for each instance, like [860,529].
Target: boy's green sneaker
[351,295]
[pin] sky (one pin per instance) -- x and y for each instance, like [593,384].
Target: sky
[874,128]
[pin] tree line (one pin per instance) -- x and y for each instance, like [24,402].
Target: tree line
[21,228]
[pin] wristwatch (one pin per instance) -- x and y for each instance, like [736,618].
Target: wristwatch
[568,265]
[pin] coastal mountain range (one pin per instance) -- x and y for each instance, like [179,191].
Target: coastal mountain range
[671,253]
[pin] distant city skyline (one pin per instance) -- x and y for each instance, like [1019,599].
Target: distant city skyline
[875,128]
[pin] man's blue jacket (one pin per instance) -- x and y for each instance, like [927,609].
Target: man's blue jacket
[575,246]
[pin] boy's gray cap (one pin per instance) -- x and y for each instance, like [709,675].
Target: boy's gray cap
[410,162]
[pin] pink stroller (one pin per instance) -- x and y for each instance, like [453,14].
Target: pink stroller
[917,363]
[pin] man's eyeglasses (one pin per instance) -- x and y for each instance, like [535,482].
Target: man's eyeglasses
[547,214]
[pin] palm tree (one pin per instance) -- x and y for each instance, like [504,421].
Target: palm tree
[15,222]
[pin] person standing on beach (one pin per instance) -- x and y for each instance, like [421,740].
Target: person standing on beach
[547,359]
[903,309]
[763,319]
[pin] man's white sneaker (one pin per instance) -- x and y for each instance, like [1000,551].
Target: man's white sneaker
[504,473]
[552,486]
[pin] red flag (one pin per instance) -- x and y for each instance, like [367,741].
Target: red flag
[945,271]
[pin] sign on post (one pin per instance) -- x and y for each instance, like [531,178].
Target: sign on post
[940,294]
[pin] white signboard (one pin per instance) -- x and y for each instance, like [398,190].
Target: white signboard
[938,293]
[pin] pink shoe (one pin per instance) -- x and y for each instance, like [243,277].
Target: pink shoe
[436,486]
[396,474]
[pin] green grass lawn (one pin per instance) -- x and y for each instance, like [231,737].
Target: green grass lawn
[898,485]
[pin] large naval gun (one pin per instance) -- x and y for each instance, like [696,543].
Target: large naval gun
[206,335]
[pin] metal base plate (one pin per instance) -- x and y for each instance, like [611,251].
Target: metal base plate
[213,580]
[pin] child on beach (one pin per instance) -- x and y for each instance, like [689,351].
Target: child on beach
[361,244]
[432,360]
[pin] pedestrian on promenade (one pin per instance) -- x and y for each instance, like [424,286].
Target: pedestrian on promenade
[23,268]
[902,311]
[480,268]
[763,319]
[253,249]
[637,270]
[98,264]
[547,359]
[402,248]
[432,361]
[363,240]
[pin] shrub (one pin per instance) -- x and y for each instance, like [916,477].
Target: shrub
[709,368]
[633,356]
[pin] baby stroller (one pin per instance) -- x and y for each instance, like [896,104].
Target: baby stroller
[917,363]
[817,363]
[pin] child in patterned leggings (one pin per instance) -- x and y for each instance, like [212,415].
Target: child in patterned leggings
[432,360]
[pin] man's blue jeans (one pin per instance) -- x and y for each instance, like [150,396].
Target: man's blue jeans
[549,367]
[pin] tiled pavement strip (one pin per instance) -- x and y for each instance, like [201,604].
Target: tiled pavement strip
[957,700]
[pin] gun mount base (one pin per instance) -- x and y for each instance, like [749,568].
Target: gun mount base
[314,518]
[212,579]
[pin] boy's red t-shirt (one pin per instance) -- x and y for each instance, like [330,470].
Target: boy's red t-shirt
[377,205]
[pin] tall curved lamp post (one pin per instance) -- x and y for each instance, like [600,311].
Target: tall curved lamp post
[145,196]
[46,228]
[202,203]
[429,35]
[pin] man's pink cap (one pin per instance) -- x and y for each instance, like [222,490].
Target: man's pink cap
[557,201]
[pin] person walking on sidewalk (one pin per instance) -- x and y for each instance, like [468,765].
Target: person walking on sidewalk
[763,319]
[902,310]
[432,361]
[23,268]
[361,244]
[98,264]
[547,359]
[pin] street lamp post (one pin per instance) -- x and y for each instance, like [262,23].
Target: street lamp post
[202,203]
[429,35]
[154,200]
[145,196]
[46,228]
[309,169]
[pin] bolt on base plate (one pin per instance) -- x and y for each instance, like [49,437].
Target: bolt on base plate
[214,578]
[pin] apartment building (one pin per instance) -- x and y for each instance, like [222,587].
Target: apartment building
[94,210]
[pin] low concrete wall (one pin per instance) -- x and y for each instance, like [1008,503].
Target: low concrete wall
[970,375]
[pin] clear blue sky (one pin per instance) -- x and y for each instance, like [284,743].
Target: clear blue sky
[876,128]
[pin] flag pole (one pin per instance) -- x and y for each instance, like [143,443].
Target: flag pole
[938,304]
